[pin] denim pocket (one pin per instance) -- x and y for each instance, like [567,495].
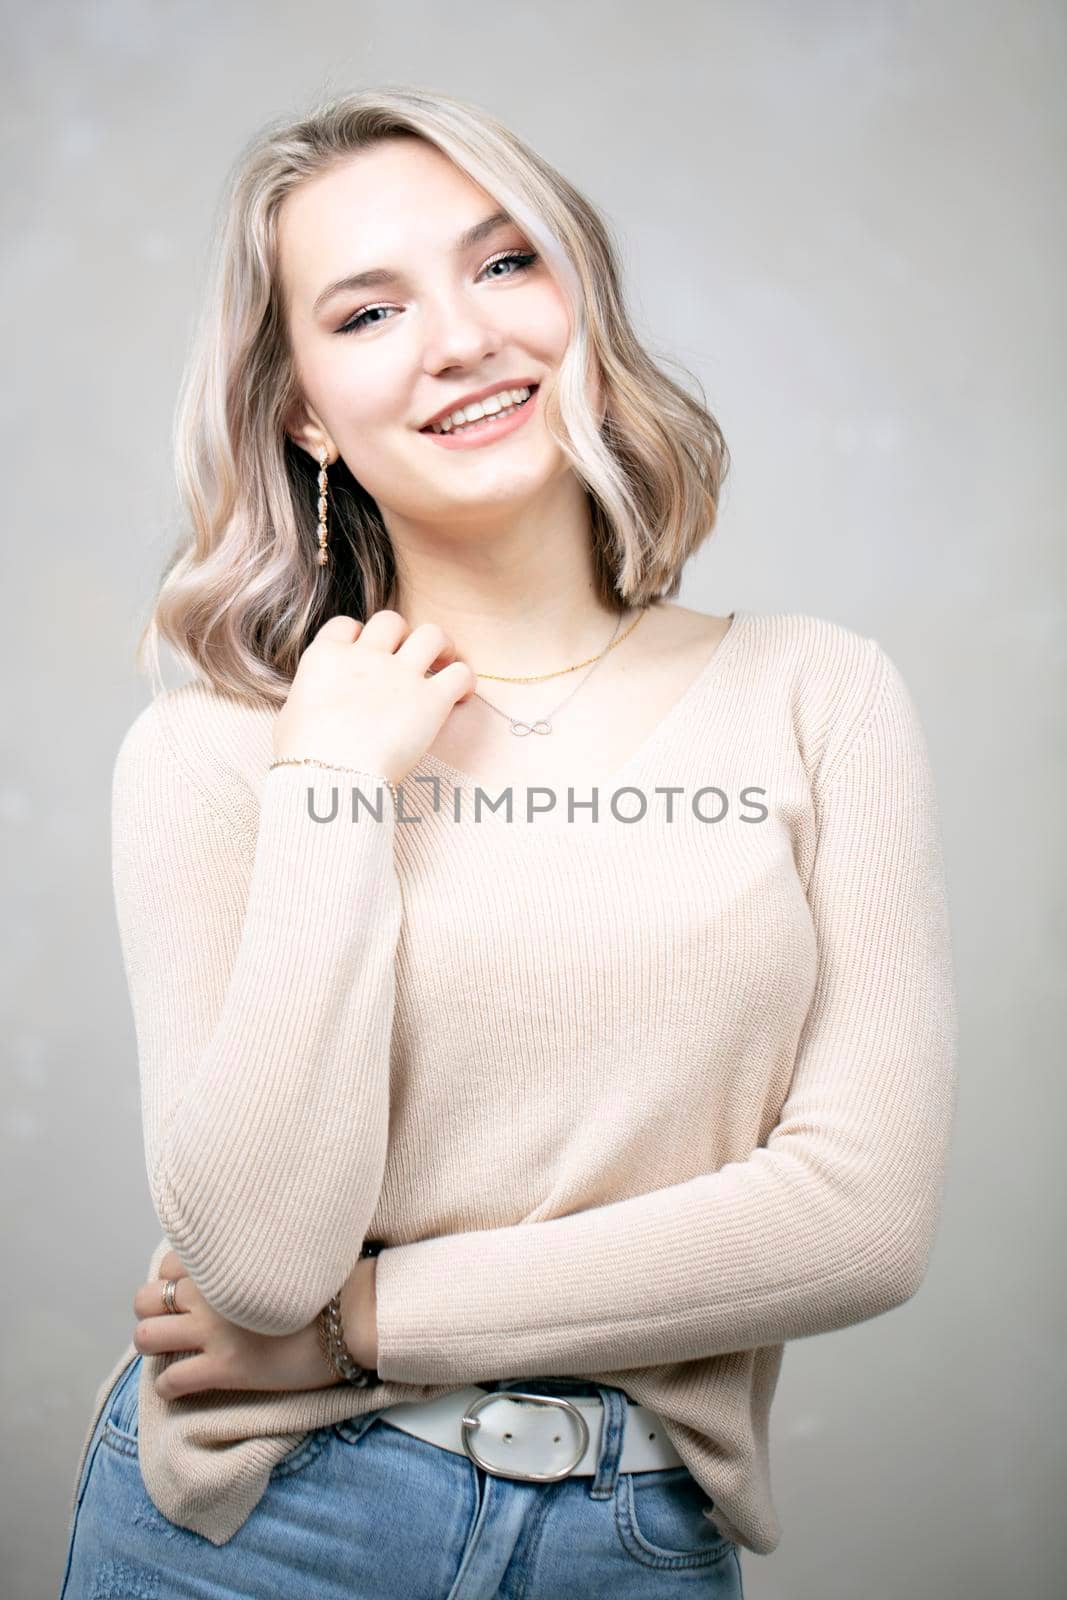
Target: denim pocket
[121,1408]
[303,1454]
[313,1443]
[661,1520]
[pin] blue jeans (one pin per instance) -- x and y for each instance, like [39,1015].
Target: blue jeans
[361,1509]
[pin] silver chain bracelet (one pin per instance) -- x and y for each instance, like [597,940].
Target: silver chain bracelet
[332,1338]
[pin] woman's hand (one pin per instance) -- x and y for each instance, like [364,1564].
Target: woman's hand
[225,1356]
[360,696]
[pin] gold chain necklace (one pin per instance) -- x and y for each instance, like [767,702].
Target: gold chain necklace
[498,677]
[543,724]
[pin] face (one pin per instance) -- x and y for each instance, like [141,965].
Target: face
[446,317]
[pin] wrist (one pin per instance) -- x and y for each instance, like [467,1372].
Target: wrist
[315,1371]
[377,772]
[359,1307]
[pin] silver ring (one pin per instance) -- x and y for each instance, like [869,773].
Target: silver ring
[170,1289]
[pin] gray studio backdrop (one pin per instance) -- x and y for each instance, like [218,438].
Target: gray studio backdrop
[845,220]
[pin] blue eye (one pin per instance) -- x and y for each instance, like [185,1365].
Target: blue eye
[523,258]
[519,259]
[357,322]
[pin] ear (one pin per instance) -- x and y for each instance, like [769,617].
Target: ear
[306,429]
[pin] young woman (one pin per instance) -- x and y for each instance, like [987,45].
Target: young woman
[543,991]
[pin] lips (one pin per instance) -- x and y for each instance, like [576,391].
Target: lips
[436,422]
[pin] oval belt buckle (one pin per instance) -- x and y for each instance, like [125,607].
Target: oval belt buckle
[469,1421]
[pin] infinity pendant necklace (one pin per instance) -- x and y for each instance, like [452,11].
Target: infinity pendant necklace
[543,724]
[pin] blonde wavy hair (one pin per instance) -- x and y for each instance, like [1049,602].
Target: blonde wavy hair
[243,594]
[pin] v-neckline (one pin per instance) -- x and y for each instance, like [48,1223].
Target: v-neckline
[723,651]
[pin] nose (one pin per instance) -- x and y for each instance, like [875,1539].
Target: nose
[457,333]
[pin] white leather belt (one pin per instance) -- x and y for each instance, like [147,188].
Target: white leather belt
[519,1433]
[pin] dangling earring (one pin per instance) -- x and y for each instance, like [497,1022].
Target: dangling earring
[323,555]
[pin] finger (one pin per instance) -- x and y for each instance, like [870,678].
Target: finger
[343,628]
[427,646]
[148,1301]
[187,1377]
[384,631]
[170,1266]
[157,1336]
[457,681]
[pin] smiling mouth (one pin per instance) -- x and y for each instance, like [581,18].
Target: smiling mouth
[490,416]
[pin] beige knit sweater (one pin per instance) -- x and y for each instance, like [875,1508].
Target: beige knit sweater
[638,1100]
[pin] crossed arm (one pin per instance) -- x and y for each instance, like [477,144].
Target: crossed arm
[833,1221]
[222,1355]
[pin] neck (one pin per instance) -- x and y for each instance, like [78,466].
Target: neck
[516,594]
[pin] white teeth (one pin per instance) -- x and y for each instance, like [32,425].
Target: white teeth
[493,405]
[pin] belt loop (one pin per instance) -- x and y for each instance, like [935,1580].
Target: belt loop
[353,1428]
[612,1433]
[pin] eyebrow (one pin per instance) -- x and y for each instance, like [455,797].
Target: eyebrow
[376,277]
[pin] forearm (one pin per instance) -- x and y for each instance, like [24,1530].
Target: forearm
[295,1360]
[678,1275]
[262,991]
[301,1363]
[302,1044]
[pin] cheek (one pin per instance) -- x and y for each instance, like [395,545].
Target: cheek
[366,395]
[548,324]
[368,415]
